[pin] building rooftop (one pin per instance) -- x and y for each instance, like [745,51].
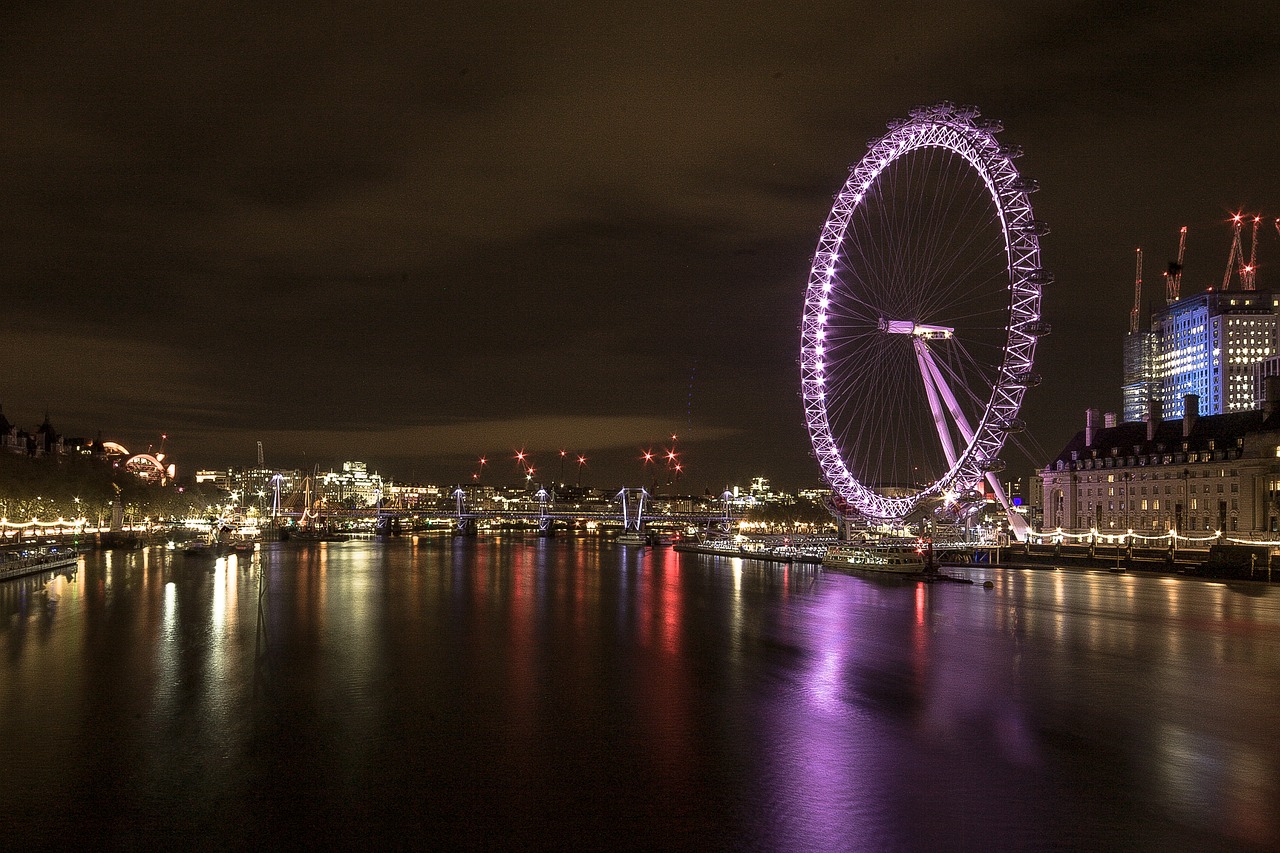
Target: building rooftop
[1208,432]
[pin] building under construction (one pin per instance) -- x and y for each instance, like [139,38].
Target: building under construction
[1218,345]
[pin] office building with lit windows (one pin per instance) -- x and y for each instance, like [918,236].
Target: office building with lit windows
[1210,345]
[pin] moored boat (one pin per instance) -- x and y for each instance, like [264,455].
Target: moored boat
[312,534]
[199,548]
[17,564]
[898,558]
[630,537]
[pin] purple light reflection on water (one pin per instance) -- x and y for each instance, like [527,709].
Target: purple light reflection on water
[568,694]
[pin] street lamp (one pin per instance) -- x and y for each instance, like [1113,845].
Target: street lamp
[1127,477]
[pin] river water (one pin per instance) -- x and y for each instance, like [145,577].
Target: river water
[518,693]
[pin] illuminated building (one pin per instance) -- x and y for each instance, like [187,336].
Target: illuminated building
[414,497]
[353,484]
[1209,345]
[220,479]
[1196,475]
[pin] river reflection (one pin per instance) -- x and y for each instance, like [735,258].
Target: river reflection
[568,694]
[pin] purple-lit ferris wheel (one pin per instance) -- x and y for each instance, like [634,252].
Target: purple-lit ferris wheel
[921,316]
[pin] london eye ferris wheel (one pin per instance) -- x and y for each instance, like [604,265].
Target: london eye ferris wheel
[921,317]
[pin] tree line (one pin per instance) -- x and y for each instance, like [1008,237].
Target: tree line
[49,487]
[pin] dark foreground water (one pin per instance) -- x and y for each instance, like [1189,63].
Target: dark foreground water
[518,693]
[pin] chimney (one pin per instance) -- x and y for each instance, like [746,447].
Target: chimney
[1109,420]
[1153,419]
[1091,417]
[1270,396]
[1190,413]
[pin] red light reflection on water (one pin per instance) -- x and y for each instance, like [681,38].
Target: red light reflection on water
[664,681]
[672,601]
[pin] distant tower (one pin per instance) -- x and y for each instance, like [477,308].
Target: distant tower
[261,464]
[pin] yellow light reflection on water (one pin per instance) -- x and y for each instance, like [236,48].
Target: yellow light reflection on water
[219,597]
[170,607]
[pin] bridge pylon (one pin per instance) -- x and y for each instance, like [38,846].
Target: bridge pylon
[464,523]
[632,499]
[546,522]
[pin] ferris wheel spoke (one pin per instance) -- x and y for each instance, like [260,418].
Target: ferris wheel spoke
[935,404]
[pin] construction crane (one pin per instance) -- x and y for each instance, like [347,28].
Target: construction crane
[1249,271]
[1137,296]
[1173,278]
[260,463]
[1236,251]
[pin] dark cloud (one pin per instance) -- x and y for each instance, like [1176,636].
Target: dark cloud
[231,220]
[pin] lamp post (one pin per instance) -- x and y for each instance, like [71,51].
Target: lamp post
[1127,476]
[1181,509]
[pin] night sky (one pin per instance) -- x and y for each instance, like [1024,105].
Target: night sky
[415,233]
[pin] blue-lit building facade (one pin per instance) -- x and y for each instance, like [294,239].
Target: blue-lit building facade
[1210,345]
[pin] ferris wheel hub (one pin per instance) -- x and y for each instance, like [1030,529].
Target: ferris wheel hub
[919,330]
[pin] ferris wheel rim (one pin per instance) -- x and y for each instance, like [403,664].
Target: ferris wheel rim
[961,132]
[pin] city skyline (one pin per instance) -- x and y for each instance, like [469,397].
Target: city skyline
[417,238]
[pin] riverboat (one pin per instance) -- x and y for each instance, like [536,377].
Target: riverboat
[312,534]
[13,565]
[199,548]
[901,558]
[631,537]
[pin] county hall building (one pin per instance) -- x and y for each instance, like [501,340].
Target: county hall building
[1193,474]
